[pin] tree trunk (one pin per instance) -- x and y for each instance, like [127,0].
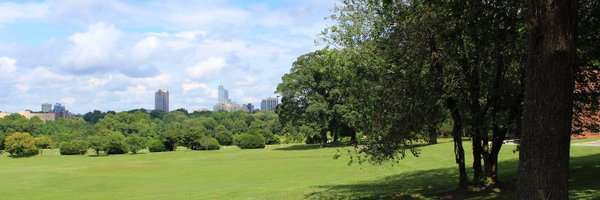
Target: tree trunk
[548,103]
[323,138]
[477,170]
[497,139]
[432,134]
[459,152]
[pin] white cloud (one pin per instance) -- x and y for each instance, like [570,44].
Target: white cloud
[10,12]
[95,48]
[145,47]
[93,81]
[248,80]
[207,68]
[190,35]
[7,66]
[205,89]
[45,75]
[67,101]
[22,87]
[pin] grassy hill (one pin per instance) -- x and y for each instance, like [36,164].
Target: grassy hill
[276,172]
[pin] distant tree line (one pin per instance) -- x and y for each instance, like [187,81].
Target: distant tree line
[110,132]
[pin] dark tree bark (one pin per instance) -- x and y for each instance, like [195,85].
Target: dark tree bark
[459,151]
[323,138]
[548,103]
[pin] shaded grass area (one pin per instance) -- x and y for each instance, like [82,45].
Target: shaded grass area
[575,141]
[277,172]
[441,183]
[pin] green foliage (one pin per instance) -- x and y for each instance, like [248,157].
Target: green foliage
[75,147]
[249,141]
[224,137]
[191,139]
[116,144]
[44,142]
[156,145]
[20,145]
[208,143]
[98,142]
[136,143]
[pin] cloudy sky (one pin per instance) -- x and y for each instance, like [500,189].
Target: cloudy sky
[113,55]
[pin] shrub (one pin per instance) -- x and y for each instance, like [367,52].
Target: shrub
[2,137]
[44,142]
[97,143]
[136,143]
[170,137]
[249,141]
[191,140]
[20,145]
[267,135]
[75,147]
[209,143]
[116,144]
[156,145]
[224,137]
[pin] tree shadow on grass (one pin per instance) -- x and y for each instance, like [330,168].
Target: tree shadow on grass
[413,185]
[443,183]
[311,146]
[329,145]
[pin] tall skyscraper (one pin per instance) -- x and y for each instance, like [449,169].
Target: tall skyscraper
[161,100]
[60,111]
[223,95]
[58,108]
[269,103]
[46,107]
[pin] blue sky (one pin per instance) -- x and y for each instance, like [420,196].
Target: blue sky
[113,55]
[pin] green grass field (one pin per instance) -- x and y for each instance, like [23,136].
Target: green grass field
[277,172]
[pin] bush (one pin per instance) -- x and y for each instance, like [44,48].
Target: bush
[75,147]
[43,142]
[97,143]
[249,141]
[116,144]
[156,145]
[136,143]
[191,140]
[209,143]
[20,145]
[224,137]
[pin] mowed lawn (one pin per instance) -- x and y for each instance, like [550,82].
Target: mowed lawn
[276,172]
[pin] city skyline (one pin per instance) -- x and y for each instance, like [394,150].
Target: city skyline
[106,55]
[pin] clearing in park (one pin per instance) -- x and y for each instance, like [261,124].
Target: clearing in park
[277,172]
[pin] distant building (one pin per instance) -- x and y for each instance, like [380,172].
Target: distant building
[223,95]
[60,111]
[46,107]
[227,106]
[269,104]
[161,100]
[58,108]
[28,114]
[248,108]
[224,103]
[201,110]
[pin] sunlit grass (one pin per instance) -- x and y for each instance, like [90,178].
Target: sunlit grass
[276,172]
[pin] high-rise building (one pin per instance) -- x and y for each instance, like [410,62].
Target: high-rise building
[161,100]
[58,108]
[223,95]
[46,108]
[269,103]
[250,108]
[60,111]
